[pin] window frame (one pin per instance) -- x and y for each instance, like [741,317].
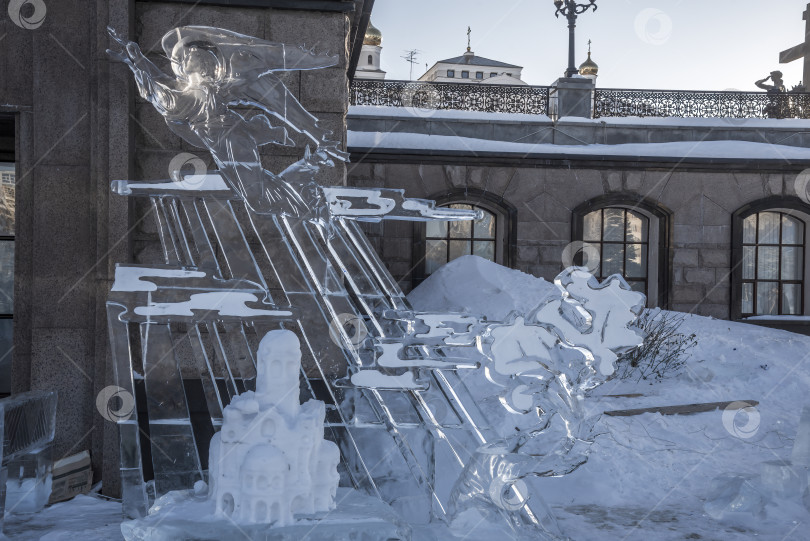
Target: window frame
[625,243]
[479,74]
[505,227]
[659,238]
[472,239]
[465,74]
[451,74]
[493,74]
[789,205]
[779,281]
[8,129]
[370,60]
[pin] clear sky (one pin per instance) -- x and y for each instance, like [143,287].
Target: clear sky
[671,44]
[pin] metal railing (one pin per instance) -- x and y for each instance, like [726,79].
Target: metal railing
[611,102]
[531,100]
[607,102]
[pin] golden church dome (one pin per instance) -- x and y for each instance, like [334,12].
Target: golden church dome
[373,36]
[589,67]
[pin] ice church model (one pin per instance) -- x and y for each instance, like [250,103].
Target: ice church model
[269,460]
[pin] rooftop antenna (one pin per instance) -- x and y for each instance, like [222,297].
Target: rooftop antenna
[410,56]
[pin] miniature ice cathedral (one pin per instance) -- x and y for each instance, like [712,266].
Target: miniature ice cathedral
[270,461]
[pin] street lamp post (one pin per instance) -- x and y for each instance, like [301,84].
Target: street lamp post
[570,10]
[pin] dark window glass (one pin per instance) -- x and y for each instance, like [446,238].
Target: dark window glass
[451,73]
[465,74]
[493,74]
[7,231]
[773,265]
[479,74]
[370,60]
[622,238]
[445,241]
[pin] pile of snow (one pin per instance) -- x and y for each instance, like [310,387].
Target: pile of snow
[649,476]
[474,285]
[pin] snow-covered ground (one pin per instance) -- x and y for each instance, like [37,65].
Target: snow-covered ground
[649,475]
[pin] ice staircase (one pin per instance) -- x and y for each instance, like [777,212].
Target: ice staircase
[392,378]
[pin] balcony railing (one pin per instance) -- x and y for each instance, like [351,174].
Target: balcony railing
[607,102]
[532,100]
[610,102]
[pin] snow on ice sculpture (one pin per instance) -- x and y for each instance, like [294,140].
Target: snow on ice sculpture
[270,461]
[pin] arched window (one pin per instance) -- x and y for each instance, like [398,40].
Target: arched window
[622,237]
[492,237]
[446,241]
[632,238]
[370,60]
[770,259]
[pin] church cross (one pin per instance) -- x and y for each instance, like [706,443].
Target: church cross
[800,51]
[469,31]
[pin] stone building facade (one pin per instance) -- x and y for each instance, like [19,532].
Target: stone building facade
[695,205]
[72,122]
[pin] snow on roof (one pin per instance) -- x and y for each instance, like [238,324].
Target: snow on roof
[678,150]
[473,60]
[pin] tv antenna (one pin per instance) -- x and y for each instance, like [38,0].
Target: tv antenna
[410,57]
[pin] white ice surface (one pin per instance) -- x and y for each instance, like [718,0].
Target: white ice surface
[687,149]
[84,518]
[207,182]
[129,278]
[227,303]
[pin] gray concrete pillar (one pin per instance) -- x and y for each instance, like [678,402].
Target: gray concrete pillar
[571,96]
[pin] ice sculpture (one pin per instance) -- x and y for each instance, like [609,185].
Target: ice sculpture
[269,460]
[28,427]
[216,69]
[434,414]
[776,481]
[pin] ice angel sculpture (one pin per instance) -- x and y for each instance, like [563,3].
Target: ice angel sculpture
[215,70]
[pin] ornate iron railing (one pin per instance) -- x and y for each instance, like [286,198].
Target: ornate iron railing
[531,100]
[609,102]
